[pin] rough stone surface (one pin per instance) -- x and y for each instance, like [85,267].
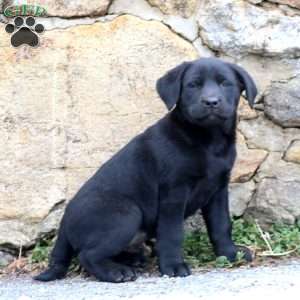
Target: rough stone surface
[265,70]
[255,1]
[264,134]
[195,222]
[275,167]
[289,11]
[292,3]
[66,8]
[185,8]
[281,4]
[276,201]
[293,152]
[277,197]
[202,49]
[140,8]
[245,112]
[5,259]
[240,195]
[247,162]
[63,23]
[58,95]
[185,27]
[238,28]
[282,103]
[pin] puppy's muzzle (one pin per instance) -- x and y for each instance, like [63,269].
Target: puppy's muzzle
[211,102]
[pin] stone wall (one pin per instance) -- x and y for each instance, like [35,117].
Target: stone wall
[68,105]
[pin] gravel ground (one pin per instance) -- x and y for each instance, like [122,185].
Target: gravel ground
[281,281]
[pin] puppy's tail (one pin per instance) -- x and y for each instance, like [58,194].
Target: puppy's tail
[60,260]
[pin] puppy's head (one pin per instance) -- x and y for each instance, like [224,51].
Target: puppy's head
[206,91]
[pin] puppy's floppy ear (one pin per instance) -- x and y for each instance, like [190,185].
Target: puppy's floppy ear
[247,83]
[169,86]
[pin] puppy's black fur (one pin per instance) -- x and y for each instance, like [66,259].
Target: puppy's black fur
[180,164]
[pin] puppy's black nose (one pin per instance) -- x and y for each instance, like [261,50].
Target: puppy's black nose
[211,101]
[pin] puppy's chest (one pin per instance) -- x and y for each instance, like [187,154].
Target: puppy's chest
[208,167]
[205,180]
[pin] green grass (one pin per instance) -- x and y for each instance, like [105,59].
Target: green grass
[41,251]
[198,250]
[282,238]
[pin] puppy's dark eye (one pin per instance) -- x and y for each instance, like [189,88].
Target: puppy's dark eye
[225,83]
[193,85]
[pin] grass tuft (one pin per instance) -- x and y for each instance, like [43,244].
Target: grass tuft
[41,251]
[279,240]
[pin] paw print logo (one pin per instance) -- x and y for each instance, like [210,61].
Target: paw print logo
[26,34]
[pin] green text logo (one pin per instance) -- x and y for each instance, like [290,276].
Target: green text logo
[24,10]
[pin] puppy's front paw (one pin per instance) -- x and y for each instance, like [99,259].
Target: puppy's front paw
[175,269]
[231,253]
[247,253]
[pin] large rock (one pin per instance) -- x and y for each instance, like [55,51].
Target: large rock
[282,103]
[185,8]
[247,162]
[244,110]
[292,3]
[202,49]
[293,152]
[187,28]
[67,106]
[264,134]
[275,167]
[277,195]
[238,28]
[265,70]
[140,8]
[5,259]
[66,8]
[240,194]
[276,201]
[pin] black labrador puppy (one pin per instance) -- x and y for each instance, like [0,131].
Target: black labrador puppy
[177,166]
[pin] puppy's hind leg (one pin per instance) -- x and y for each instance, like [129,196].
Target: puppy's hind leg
[135,254]
[98,258]
[134,258]
[60,259]
[106,269]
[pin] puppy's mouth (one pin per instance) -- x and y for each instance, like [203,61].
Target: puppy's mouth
[209,115]
[212,115]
